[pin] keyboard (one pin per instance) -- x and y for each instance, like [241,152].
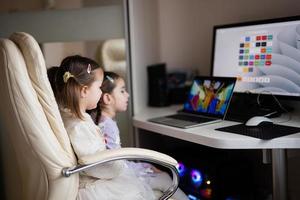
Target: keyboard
[183,120]
[175,122]
[190,118]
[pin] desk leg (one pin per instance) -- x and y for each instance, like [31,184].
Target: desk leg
[136,137]
[279,174]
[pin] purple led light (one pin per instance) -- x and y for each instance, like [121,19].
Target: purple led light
[196,177]
[181,169]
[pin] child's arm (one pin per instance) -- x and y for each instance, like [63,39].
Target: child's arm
[111,134]
[110,141]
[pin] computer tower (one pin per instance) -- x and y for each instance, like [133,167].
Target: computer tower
[157,85]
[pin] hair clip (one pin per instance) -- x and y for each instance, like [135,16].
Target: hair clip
[89,68]
[66,76]
[110,78]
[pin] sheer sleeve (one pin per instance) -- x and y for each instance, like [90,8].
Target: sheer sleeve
[86,141]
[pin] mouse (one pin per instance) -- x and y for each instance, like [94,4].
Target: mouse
[258,120]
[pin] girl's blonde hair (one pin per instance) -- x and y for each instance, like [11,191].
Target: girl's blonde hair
[67,80]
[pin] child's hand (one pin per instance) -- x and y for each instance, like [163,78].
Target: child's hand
[150,168]
[155,170]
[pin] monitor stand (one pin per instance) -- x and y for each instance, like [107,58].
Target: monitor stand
[244,106]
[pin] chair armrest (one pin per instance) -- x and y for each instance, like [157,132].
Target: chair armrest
[129,154]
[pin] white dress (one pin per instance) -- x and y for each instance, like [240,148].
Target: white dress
[110,181]
[157,181]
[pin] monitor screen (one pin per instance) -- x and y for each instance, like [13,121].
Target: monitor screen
[263,55]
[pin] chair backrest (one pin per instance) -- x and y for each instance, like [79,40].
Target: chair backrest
[114,56]
[34,144]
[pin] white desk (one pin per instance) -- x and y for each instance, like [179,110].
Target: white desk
[208,136]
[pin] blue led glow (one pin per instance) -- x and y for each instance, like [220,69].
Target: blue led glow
[181,169]
[196,177]
[192,197]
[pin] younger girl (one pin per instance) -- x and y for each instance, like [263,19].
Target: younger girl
[115,99]
[76,84]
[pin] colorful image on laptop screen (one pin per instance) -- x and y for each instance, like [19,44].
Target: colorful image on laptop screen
[211,96]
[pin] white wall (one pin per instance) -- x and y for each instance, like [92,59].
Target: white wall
[55,52]
[35,5]
[144,46]
[179,32]
[185,27]
[94,23]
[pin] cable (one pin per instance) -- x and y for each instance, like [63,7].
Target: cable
[278,103]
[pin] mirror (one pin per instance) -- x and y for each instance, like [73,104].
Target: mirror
[64,30]
[55,52]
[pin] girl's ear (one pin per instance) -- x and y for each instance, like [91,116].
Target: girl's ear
[106,98]
[83,91]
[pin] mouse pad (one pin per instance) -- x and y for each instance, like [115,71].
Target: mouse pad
[262,132]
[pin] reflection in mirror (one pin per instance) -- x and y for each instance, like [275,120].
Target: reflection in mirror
[38,5]
[109,53]
[56,51]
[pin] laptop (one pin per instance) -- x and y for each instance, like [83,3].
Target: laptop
[207,102]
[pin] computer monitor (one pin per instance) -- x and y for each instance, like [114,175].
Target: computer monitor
[263,55]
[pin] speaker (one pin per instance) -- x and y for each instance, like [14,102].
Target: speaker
[157,85]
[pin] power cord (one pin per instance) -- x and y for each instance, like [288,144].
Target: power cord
[278,103]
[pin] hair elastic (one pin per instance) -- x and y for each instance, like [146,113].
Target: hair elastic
[66,76]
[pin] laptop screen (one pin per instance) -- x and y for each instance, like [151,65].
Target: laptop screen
[210,96]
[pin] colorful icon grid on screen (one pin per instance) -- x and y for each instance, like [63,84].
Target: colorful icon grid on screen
[255,51]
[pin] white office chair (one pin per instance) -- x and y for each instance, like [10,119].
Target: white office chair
[114,56]
[37,159]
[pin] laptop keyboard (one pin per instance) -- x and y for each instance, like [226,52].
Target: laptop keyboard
[190,118]
[176,122]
